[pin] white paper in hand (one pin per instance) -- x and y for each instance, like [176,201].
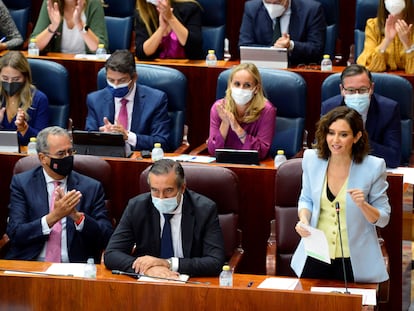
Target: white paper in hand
[316,245]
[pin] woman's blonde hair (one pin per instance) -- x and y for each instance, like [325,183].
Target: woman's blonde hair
[149,14]
[257,103]
[17,61]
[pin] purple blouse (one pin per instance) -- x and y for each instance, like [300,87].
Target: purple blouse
[259,133]
[170,47]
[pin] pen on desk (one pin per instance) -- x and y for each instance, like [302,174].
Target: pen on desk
[250,284]
[2,39]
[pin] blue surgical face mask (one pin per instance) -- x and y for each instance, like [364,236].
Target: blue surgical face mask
[165,206]
[359,102]
[120,90]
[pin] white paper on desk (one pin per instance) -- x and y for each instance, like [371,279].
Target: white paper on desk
[369,296]
[407,172]
[66,269]
[191,158]
[182,277]
[279,283]
[316,245]
[90,56]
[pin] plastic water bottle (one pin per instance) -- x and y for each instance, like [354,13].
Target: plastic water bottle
[157,152]
[227,54]
[326,64]
[211,58]
[226,277]
[33,49]
[90,269]
[101,52]
[279,158]
[31,147]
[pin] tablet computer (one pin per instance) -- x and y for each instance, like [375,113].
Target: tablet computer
[235,156]
[8,141]
[267,57]
[100,144]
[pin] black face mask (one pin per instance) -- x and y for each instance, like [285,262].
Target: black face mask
[12,88]
[62,166]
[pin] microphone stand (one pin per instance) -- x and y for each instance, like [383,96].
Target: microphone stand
[337,208]
[138,275]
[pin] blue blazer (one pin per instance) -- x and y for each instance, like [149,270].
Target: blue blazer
[29,203]
[383,126]
[307,28]
[370,176]
[202,240]
[150,120]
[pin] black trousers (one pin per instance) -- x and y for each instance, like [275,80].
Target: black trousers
[316,269]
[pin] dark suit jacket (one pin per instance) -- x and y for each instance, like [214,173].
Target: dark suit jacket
[190,15]
[307,28]
[150,120]
[29,203]
[140,223]
[383,126]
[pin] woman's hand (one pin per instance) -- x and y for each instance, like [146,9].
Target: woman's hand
[54,14]
[76,18]
[21,122]
[404,32]
[2,111]
[301,229]
[390,31]
[164,10]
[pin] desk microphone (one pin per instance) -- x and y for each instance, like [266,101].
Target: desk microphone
[337,208]
[138,275]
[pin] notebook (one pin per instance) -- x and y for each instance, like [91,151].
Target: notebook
[8,141]
[237,156]
[267,57]
[100,144]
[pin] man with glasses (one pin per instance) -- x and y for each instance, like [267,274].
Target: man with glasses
[137,111]
[381,115]
[55,213]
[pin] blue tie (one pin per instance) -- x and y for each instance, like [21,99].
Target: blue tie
[166,240]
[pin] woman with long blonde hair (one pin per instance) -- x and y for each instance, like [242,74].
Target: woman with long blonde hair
[244,119]
[71,26]
[168,29]
[23,107]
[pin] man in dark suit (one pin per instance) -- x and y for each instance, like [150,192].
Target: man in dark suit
[137,111]
[197,242]
[302,27]
[381,115]
[52,204]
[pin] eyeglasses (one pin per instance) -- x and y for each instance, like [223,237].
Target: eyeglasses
[62,154]
[361,90]
[311,66]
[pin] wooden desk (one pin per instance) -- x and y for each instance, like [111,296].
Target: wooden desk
[257,196]
[41,292]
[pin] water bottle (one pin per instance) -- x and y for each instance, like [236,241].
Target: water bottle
[31,147]
[90,269]
[101,52]
[33,49]
[326,64]
[157,152]
[227,54]
[279,158]
[226,277]
[211,58]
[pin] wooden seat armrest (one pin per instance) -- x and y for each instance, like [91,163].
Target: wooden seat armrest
[238,253]
[183,148]
[202,149]
[271,250]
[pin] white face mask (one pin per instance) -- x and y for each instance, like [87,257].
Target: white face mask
[240,96]
[274,10]
[359,102]
[394,7]
[165,206]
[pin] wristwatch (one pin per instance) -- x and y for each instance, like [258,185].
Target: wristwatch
[169,260]
[85,29]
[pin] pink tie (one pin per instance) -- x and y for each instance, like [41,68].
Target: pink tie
[123,114]
[53,247]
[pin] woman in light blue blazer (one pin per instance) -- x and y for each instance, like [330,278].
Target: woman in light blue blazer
[339,172]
